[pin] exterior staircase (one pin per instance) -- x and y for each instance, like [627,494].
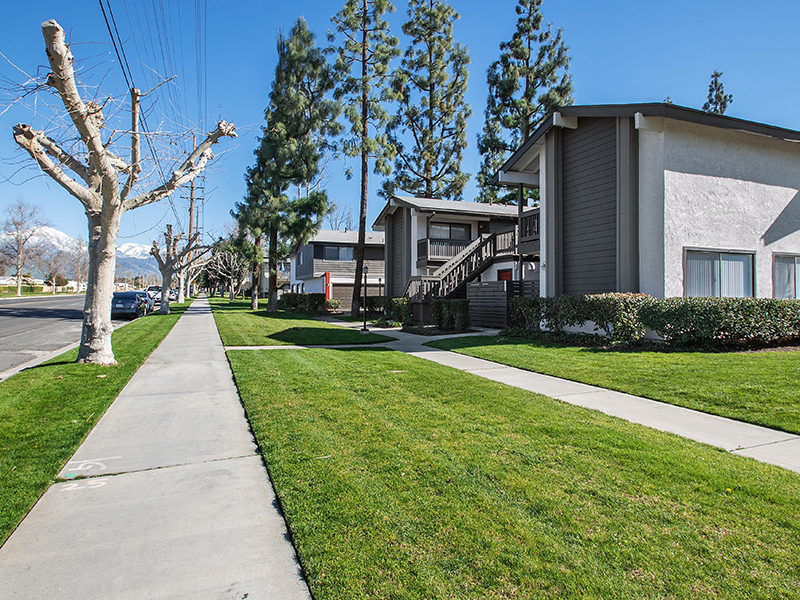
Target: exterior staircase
[453,276]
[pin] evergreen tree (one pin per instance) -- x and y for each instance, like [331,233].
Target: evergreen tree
[430,83]
[362,64]
[527,83]
[717,102]
[298,117]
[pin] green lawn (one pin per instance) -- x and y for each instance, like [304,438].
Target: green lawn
[48,410]
[404,479]
[240,326]
[757,387]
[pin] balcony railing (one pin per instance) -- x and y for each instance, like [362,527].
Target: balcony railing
[530,226]
[432,249]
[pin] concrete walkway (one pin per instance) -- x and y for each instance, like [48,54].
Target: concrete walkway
[177,503]
[763,444]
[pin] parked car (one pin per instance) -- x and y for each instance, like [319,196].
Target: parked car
[154,291]
[131,304]
[173,295]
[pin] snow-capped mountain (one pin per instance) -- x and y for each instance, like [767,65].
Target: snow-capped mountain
[132,259]
[132,250]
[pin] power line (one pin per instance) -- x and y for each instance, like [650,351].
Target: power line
[123,62]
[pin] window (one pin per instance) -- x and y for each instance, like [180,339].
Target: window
[719,274]
[337,253]
[300,257]
[786,277]
[449,231]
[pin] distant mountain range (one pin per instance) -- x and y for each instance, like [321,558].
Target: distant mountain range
[132,259]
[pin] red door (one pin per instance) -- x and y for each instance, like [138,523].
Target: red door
[504,275]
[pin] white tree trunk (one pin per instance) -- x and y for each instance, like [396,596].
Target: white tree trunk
[166,283]
[182,283]
[95,345]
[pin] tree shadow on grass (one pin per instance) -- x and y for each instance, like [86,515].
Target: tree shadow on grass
[321,336]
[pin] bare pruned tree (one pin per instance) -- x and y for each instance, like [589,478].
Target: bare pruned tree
[338,219]
[227,267]
[104,195]
[17,236]
[52,262]
[174,261]
[79,263]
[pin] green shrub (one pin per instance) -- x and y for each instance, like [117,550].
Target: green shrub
[309,303]
[460,311]
[333,304]
[437,313]
[450,315]
[526,313]
[617,315]
[400,310]
[717,323]
[564,311]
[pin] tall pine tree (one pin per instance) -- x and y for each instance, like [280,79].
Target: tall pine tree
[429,129]
[527,83]
[717,101]
[362,63]
[298,117]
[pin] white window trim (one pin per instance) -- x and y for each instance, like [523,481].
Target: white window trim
[719,252]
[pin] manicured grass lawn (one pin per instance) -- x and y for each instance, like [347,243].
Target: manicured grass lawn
[405,479]
[757,387]
[48,410]
[240,326]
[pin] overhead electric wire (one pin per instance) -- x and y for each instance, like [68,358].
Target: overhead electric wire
[123,62]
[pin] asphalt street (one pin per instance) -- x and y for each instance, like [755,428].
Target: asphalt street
[35,326]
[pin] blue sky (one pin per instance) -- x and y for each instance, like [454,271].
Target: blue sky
[623,51]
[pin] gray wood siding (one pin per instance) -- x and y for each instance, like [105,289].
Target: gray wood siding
[305,270]
[344,267]
[589,207]
[396,253]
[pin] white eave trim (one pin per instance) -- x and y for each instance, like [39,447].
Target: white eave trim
[514,178]
[643,123]
[560,120]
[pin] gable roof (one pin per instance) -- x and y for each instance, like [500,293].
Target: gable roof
[655,109]
[328,236]
[432,205]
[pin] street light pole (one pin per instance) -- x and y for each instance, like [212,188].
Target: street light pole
[365,330]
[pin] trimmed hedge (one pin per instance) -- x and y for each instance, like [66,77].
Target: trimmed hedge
[310,303]
[451,315]
[390,309]
[710,323]
[724,322]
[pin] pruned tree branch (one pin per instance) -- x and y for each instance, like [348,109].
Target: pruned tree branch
[31,140]
[190,168]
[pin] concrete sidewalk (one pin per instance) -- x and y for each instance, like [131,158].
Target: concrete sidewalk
[177,503]
[763,444]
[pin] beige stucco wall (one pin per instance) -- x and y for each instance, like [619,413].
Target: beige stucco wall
[715,189]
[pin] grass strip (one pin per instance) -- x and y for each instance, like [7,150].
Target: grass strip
[755,387]
[238,325]
[47,411]
[405,479]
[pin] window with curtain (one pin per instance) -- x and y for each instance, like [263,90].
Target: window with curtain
[338,253]
[719,274]
[786,277]
[449,231]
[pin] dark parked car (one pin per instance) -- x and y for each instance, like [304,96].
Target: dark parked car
[130,304]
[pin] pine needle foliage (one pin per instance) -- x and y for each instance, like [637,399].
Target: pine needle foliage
[429,129]
[718,100]
[299,116]
[527,83]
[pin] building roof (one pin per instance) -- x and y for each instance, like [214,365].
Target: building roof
[327,236]
[657,109]
[432,205]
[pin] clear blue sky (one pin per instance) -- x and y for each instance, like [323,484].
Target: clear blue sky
[623,51]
